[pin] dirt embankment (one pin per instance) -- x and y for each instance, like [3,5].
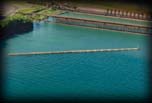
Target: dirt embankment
[14,27]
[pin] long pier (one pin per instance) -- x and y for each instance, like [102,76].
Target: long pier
[74,51]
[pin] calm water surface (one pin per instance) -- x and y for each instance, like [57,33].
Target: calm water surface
[105,75]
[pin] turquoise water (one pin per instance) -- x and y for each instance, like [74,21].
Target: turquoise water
[105,18]
[85,75]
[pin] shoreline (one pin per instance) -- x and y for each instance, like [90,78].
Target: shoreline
[58,12]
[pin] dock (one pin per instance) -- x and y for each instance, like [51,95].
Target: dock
[73,51]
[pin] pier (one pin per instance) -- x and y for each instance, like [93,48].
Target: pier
[73,51]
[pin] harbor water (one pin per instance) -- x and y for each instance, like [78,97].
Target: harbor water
[119,75]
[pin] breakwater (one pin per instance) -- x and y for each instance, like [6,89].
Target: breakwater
[74,51]
[103,24]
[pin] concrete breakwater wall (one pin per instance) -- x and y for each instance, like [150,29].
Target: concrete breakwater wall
[111,12]
[103,24]
[74,51]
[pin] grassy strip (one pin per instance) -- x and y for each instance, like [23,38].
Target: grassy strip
[29,15]
[17,17]
[31,10]
[47,12]
[38,12]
